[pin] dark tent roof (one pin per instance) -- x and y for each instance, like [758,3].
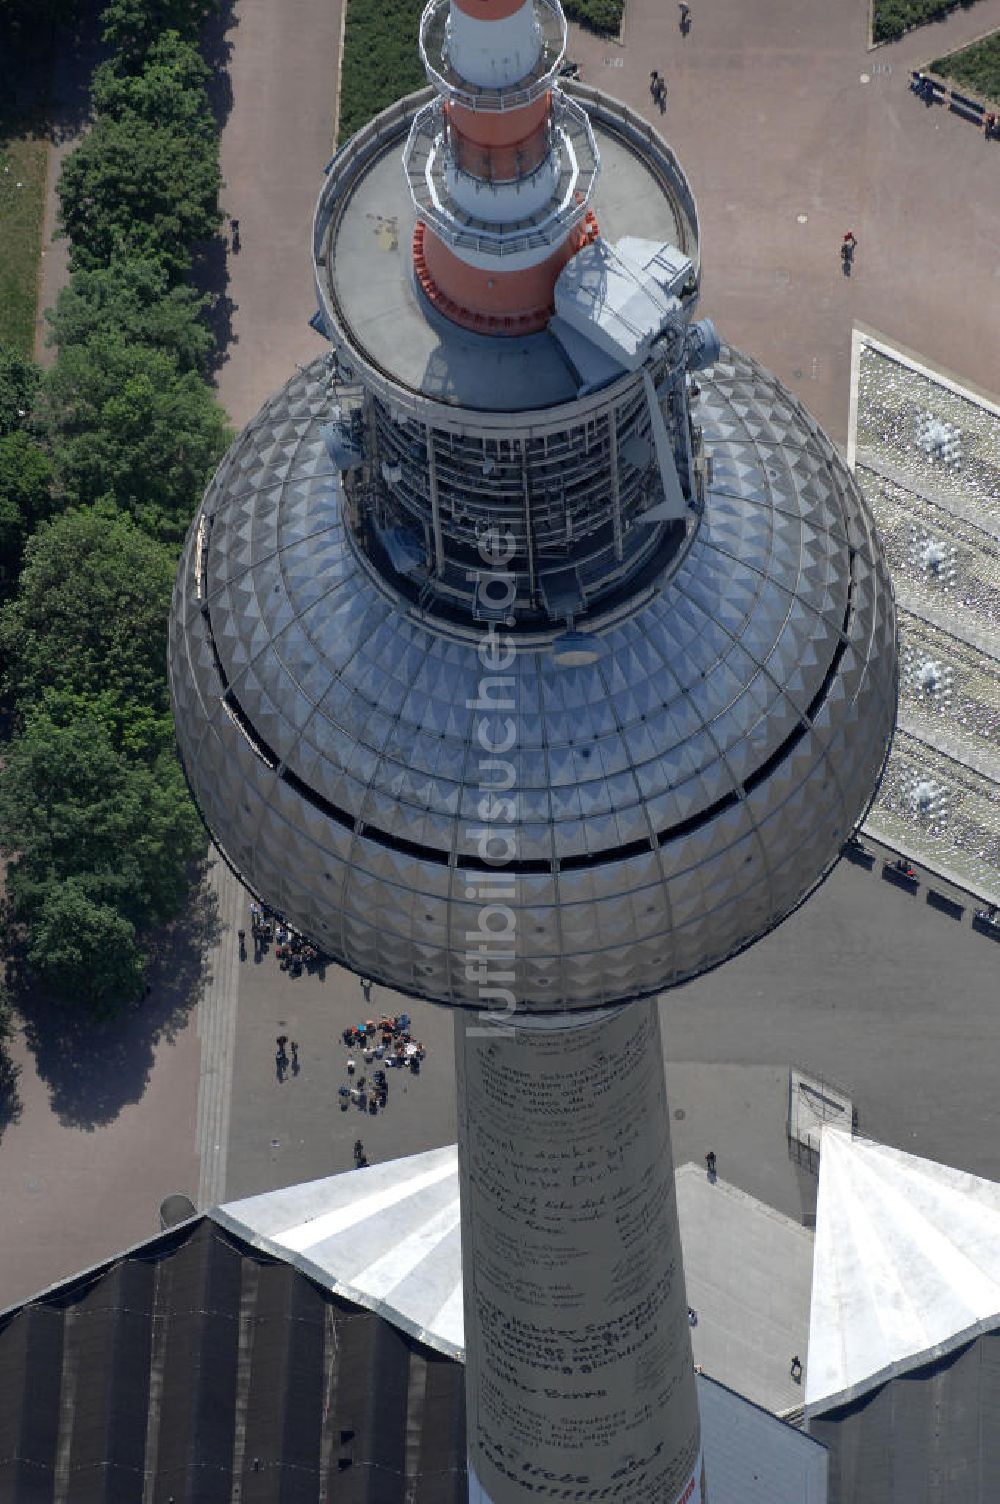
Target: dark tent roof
[196,1361]
[198,1368]
[926,1437]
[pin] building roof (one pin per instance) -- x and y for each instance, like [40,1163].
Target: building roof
[365,268]
[752,1457]
[205,1361]
[748,1271]
[386,1237]
[907,1266]
[925,1437]
[199,1364]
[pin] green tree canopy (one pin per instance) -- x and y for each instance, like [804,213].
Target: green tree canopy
[131,27]
[134,299]
[126,424]
[91,612]
[136,188]
[72,806]
[19,382]
[84,950]
[25,498]
[169,90]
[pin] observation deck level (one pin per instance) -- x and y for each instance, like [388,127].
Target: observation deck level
[388,336]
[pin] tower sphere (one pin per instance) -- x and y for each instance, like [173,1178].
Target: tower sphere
[566,638]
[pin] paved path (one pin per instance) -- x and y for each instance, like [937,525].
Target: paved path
[104,1135]
[217,1032]
[275,145]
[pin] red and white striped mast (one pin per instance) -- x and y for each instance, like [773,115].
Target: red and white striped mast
[502,165]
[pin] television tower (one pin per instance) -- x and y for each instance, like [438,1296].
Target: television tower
[532,653]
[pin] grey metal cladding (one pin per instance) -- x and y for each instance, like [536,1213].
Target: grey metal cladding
[674,799]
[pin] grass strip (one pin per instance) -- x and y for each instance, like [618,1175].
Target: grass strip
[975,68]
[891,18]
[381,61]
[23,165]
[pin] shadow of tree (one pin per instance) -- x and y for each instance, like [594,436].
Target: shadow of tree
[210,273]
[45,69]
[94,1067]
[217,50]
[10,1100]
[210,268]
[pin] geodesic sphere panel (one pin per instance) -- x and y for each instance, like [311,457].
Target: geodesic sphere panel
[670,801]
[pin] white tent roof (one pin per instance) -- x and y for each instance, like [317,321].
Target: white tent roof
[907,1266]
[386,1237]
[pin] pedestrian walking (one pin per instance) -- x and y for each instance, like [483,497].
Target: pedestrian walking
[685,21]
[796,1368]
[295,1057]
[710,1162]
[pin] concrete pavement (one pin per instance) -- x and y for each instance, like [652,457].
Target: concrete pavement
[792,132]
[276,142]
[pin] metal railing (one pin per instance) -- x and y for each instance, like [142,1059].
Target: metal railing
[434,56]
[425,160]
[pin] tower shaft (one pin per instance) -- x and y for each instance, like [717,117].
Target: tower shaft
[579,1376]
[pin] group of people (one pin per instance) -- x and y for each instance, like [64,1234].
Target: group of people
[658,89]
[388,1041]
[368,1096]
[292,949]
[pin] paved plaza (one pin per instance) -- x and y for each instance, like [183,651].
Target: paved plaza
[786,147]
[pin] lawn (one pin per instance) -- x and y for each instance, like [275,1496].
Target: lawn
[891,18]
[976,68]
[23,161]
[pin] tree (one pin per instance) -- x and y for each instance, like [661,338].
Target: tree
[19,382]
[125,423]
[170,89]
[91,612]
[136,188]
[25,498]
[134,299]
[131,27]
[85,950]
[73,807]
